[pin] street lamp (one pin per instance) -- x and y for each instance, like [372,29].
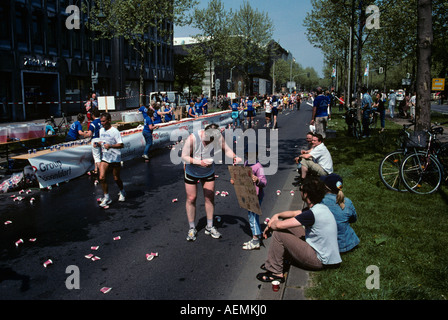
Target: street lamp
[290,75]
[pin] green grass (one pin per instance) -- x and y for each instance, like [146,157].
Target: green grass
[405,235]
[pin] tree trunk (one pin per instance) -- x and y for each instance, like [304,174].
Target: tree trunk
[424,43]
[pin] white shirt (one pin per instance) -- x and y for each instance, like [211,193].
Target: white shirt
[322,157]
[267,105]
[111,136]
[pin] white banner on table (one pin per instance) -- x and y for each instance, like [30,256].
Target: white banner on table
[69,163]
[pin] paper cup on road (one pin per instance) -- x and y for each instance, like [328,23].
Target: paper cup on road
[47,263]
[275,285]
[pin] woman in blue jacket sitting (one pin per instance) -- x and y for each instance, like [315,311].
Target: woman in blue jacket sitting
[343,210]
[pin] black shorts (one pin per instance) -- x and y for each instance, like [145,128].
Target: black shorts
[274,111]
[194,180]
[250,113]
[112,164]
[268,115]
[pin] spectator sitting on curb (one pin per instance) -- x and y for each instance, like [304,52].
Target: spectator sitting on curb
[313,247]
[318,160]
[343,210]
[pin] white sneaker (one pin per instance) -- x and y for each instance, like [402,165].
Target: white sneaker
[122,196]
[105,202]
[213,232]
[251,245]
[191,234]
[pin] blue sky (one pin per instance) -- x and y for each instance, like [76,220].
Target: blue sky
[287,17]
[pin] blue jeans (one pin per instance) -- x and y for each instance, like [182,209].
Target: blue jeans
[254,223]
[148,139]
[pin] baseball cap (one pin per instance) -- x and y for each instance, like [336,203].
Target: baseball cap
[333,181]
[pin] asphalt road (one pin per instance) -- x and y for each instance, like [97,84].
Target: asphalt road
[66,222]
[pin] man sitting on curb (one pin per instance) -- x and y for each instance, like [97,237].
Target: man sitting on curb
[318,160]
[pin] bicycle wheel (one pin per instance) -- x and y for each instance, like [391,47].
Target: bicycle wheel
[421,174]
[389,171]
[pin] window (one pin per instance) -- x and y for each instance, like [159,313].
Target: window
[37,31]
[5,27]
[20,28]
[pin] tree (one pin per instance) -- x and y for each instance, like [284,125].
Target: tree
[190,70]
[424,43]
[251,32]
[135,20]
[212,22]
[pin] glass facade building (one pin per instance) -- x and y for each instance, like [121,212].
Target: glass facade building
[48,69]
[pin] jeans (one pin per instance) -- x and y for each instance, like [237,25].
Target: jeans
[391,110]
[383,118]
[365,123]
[148,139]
[254,223]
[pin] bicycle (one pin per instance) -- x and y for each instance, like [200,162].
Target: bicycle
[354,125]
[389,168]
[423,172]
[373,119]
[61,128]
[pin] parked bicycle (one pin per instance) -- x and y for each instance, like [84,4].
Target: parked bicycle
[389,168]
[373,119]
[354,125]
[424,171]
[60,128]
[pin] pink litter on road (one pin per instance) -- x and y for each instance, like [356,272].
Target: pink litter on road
[117,238]
[174,200]
[94,248]
[150,256]
[105,289]
[19,242]
[47,263]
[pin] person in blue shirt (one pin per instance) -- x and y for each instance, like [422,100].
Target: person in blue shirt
[235,113]
[191,112]
[76,131]
[366,108]
[157,116]
[250,111]
[167,111]
[320,113]
[147,133]
[94,132]
[343,210]
[198,107]
[143,110]
[95,125]
[204,104]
